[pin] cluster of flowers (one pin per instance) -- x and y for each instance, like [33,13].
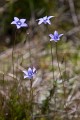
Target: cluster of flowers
[54,37]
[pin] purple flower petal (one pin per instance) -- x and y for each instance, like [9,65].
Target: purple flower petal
[45,18]
[48,21]
[18,26]
[16,19]
[22,20]
[51,35]
[13,22]
[41,21]
[34,69]
[60,35]
[25,72]
[29,69]
[55,33]
[24,25]
[25,76]
[50,17]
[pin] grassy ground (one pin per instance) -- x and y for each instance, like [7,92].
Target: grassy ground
[47,103]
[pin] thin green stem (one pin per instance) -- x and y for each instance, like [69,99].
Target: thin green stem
[60,69]
[51,56]
[13,53]
[31,98]
[3,91]
[31,80]
[61,75]
[58,61]
[28,37]
[54,81]
[52,92]
[52,61]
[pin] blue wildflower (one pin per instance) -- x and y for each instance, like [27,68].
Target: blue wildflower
[19,22]
[45,20]
[29,73]
[55,37]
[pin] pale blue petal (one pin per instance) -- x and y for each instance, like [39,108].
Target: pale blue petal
[16,19]
[13,22]
[30,72]
[34,69]
[25,76]
[55,33]
[48,21]
[41,21]
[25,72]
[50,17]
[44,18]
[51,35]
[60,35]
[18,26]
[22,20]
[24,25]
[29,69]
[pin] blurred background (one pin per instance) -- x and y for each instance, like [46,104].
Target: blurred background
[37,49]
[66,12]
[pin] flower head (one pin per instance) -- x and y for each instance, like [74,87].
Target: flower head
[55,37]
[45,20]
[19,22]
[29,73]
